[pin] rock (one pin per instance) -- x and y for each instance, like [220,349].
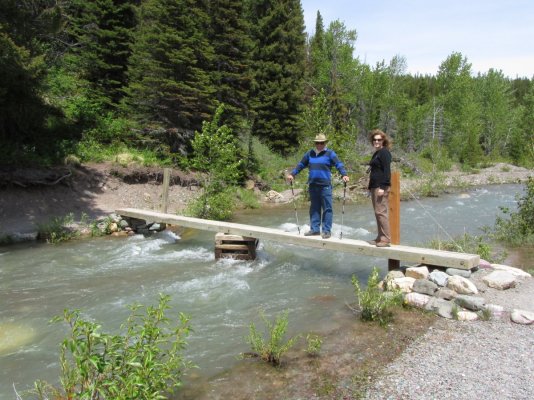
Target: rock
[522,317]
[439,278]
[467,316]
[470,302]
[403,284]
[416,299]
[511,270]
[417,272]
[445,293]
[461,285]
[460,272]
[501,280]
[441,307]
[495,310]
[274,197]
[250,184]
[424,286]
[484,264]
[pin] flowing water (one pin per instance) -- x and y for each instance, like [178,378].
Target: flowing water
[103,276]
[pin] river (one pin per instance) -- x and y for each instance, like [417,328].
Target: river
[101,277]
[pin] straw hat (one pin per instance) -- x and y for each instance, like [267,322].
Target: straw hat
[320,138]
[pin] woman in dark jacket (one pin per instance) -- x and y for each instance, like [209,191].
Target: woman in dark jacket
[380,185]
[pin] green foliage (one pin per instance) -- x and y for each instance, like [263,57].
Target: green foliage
[247,198]
[518,228]
[57,230]
[216,154]
[278,67]
[471,244]
[216,206]
[145,362]
[271,346]
[373,303]
[431,185]
[314,343]
[437,157]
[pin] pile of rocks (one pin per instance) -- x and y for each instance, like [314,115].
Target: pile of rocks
[456,294]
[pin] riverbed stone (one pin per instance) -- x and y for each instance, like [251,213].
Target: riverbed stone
[445,293]
[441,307]
[483,264]
[522,317]
[418,300]
[473,303]
[460,272]
[511,270]
[501,280]
[467,316]
[439,277]
[461,285]
[424,286]
[404,284]
[495,310]
[420,272]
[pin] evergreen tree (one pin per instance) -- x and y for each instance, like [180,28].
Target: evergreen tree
[230,37]
[169,67]
[99,35]
[23,113]
[278,58]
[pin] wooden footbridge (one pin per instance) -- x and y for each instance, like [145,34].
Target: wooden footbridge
[395,252]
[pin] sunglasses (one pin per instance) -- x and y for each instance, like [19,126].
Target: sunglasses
[319,142]
[377,140]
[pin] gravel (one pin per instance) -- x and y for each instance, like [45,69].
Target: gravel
[466,360]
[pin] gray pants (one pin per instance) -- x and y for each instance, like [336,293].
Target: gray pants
[381,208]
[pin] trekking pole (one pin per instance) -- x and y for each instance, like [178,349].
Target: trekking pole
[343,209]
[295,205]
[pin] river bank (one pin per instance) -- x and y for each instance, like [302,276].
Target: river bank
[28,199]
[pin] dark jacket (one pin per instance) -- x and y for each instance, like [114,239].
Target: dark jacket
[320,166]
[380,165]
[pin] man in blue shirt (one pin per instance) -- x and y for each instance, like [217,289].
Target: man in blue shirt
[320,161]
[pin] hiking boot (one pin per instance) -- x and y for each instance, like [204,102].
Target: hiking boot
[382,244]
[326,235]
[372,242]
[311,233]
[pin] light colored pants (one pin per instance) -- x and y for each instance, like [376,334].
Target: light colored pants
[381,207]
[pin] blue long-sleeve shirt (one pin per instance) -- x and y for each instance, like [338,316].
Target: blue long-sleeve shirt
[320,165]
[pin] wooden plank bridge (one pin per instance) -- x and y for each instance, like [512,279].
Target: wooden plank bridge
[395,252]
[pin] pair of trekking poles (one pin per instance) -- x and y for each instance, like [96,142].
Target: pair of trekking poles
[342,209]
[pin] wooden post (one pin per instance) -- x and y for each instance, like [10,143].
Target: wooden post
[394,215]
[165,194]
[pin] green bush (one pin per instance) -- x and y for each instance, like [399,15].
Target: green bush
[271,346]
[143,363]
[519,227]
[57,229]
[373,303]
[471,244]
[215,206]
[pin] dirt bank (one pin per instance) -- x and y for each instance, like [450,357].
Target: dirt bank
[29,197]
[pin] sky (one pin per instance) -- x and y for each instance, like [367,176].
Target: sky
[496,34]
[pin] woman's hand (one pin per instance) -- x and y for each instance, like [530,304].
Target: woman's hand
[380,192]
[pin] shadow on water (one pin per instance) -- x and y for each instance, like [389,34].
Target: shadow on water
[103,276]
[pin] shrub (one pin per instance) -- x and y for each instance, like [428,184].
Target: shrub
[143,363]
[373,303]
[519,227]
[314,344]
[467,243]
[272,347]
[57,229]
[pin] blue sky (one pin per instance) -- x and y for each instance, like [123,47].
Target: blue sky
[496,34]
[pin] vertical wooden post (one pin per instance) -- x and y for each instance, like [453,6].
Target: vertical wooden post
[394,215]
[165,194]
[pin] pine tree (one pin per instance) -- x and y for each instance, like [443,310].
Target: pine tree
[169,67]
[279,56]
[99,33]
[230,37]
